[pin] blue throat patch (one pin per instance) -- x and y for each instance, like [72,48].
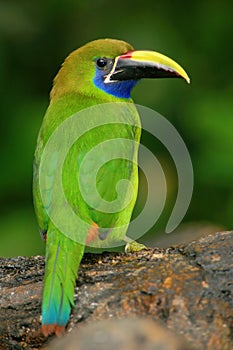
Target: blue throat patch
[120,89]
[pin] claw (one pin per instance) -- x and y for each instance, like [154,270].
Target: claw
[133,246]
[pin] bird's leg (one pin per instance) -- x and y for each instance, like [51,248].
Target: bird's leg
[133,246]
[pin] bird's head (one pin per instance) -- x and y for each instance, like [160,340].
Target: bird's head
[113,67]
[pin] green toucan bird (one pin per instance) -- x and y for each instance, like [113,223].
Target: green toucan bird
[101,72]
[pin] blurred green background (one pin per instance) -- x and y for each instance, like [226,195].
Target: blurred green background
[35,37]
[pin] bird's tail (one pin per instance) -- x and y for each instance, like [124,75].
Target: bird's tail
[63,257]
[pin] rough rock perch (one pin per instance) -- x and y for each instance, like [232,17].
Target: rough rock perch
[189,288]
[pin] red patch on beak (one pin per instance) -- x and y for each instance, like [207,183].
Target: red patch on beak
[127,55]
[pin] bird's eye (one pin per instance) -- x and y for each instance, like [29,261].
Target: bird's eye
[101,62]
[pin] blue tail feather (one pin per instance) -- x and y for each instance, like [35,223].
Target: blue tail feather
[63,257]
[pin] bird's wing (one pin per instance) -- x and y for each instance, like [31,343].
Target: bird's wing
[108,176]
[42,205]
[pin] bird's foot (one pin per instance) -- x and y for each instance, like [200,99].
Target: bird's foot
[133,246]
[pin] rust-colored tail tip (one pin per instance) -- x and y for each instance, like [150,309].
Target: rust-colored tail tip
[49,329]
[59,330]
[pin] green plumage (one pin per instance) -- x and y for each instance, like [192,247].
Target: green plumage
[98,75]
[69,95]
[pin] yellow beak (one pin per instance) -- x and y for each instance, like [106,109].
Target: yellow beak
[135,65]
